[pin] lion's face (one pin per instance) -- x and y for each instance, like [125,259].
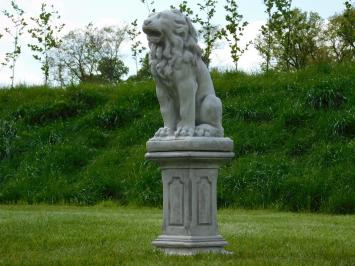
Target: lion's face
[172,42]
[159,25]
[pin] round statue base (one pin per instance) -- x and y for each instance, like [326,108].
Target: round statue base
[189,172]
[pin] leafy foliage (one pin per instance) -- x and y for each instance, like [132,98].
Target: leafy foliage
[149,5]
[144,72]
[137,47]
[111,70]
[340,33]
[234,28]
[291,38]
[210,32]
[45,33]
[83,51]
[18,27]
[264,41]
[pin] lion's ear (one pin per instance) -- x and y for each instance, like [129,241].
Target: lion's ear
[192,30]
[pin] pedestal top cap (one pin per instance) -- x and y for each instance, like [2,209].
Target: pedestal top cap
[190,144]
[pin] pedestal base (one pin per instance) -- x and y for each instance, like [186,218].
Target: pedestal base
[190,245]
[189,172]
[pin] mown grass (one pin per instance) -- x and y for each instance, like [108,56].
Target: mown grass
[111,235]
[293,133]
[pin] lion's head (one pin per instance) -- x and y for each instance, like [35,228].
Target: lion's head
[172,40]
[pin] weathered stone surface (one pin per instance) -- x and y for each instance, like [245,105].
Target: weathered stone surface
[188,103]
[190,147]
[190,144]
[190,245]
[189,195]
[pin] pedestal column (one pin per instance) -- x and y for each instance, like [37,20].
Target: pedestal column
[189,172]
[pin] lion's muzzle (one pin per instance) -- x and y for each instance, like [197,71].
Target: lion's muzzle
[153,32]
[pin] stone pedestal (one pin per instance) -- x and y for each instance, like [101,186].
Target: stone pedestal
[189,171]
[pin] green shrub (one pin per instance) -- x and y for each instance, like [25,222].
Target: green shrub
[342,202]
[86,97]
[246,114]
[97,138]
[299,145]
[326,95]
[148,189]
[8,133]
[293,138]
[295,119]
[37,115]
[344,126]
[115,116]
[254,183]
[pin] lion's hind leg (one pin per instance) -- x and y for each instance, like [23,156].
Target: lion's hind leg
[210,118]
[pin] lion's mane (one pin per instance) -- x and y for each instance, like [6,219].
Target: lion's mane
[178,45]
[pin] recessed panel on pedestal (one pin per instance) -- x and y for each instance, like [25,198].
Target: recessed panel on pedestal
[204,196]
[176,201]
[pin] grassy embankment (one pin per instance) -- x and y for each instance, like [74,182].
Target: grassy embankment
[64,235]
[293,132]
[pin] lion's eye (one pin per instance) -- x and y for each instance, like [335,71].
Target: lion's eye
[178,21]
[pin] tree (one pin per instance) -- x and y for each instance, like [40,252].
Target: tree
[291,38]
[340,34]
[111,70]
[210,32]
[19,24]
[137,47]
[1,35]
[186,10]
[45,33]
[278,26]
[284,27]
[264,40]
[234,31]
[59,72]
[144,71]
[78,54]
[81,51]
[300,46]
[149,5]
[113,37]
[267,32]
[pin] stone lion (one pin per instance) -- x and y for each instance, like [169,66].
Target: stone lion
[184,88]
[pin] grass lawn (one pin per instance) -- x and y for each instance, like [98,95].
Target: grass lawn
[110,235]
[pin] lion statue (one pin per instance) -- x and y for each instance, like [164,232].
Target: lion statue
[184,88]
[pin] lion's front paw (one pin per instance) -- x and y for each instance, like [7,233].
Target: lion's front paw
[163,132]
[184,131]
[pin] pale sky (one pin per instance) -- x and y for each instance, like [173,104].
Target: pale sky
[78,13]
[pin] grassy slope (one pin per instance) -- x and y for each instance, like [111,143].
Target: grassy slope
[294,141]
[43,235]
